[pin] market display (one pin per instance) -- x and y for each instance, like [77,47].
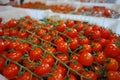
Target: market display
[58,50]
[98,11]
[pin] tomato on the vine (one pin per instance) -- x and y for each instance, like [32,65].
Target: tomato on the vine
[2,63]
[11,71]
[25,76]
[86,58]
[36,54]
[113,75]
[73,44]
[12,23]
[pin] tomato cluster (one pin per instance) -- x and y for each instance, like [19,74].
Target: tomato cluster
[58,50]
[98,11]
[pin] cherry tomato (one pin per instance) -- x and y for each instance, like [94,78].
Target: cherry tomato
[14,32]
[96,47]
[61,28]
[83,40]
[96,34]
[90,75]
[25,76]
[111,50]
[86,58]
[13,45]
[86,47]
[58,40]
[16,56]
[76,66]
[88,30]
[50,49]
[72,77]
[11,71]
[74,44]
[2,63]
[22,34]
[43,69]
[36,54]
[105,33]
[62,47]
[72,32]
[79,27]
[113,75]
[41,32]
[70,23]
[100,58]
[47,37]
[2,45]
[49,60]
[112,64]
[63,57]
[12,23]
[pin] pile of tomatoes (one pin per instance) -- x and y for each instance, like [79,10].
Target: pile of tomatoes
[98,11]
[58,50]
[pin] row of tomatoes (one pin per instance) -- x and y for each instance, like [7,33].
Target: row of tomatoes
[58,50]
[93,11]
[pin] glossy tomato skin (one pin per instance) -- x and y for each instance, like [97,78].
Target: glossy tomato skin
[73,44]
[12,23]
[96,47]
[2,63]
[36,54]
[90,75]
[22,34]
[15,56]
[86,58]
[11,71]
[76,66]
[113,75]
[2,45]
[100,58]
[58,40]
[43,69]
[112,65]
[111,50]
[83,40]
[14,32]
[62,47]
[61,28]
[49,60]
[79,27]
[70,23]
[63,57]
[72,32]
[25,76]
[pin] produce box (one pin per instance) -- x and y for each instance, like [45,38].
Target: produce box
[45,58]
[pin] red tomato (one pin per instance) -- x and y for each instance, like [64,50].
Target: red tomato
[113,75]
[62,47]
[42,32]
[13,45]
[112,65]
[74,44]
[70,23]
[2,63]
[88,30]
[75,57]
[7,43]
[96,47]
[58,40]
[6,31]
[95,34]
[22,34]
[11,71]
[79,27]
[14,32]
[12,23]
[76,66]
[100,58]
[36,54]
[24,48]
[102,41]
[16,56]
[72,77]
[25,76]
[63,57]
[86,58]
[72,32]
[111,50]
[35,40]
[47,37]
[61,28]
[1,30]
[107,12]
[90,75]
[61,70]
[43,69]
[49,60]
[98,71]
[50,49]
[83,40]
[86,47]
[105,33]
[2,45]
